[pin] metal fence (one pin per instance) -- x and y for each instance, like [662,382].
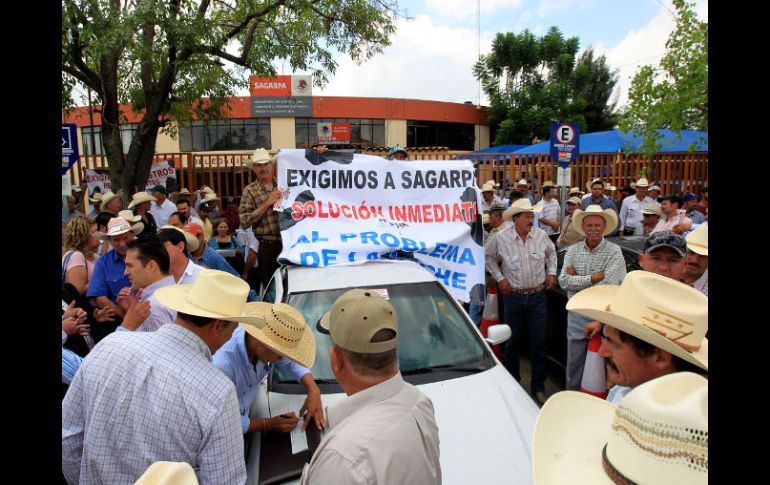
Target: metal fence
[676,173]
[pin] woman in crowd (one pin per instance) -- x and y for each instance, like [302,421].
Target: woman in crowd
[79,252]
[222,239]
[141,202]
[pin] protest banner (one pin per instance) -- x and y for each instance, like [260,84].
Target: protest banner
[345,209]
[158,175]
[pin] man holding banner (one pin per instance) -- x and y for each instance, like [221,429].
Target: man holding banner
[256,212]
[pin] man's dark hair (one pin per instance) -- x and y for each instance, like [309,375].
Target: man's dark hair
[103,218]
[674,199]
[376,365]
[595,182]
[182,217]
[151,249]
[195,319]
[515,195]
[645,349]
[546,190]
[174,237]
[182,200]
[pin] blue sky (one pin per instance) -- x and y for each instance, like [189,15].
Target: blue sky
[432,53]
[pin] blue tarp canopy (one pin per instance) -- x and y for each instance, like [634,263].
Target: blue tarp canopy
[485,152]
[614,140]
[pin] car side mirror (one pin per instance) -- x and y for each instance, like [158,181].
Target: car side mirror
[497,334]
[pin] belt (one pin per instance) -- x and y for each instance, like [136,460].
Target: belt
[530,291]
[268,238]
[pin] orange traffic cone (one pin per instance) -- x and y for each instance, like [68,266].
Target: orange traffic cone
[490,317]
[594,372]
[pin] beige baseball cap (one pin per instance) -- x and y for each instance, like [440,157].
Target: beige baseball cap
[355,317]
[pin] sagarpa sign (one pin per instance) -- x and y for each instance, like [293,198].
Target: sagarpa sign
[331,133]
[345,209]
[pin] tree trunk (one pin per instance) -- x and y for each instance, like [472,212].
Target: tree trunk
[140,155]
[113,146]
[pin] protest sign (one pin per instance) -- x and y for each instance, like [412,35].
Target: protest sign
[159,172]
[344,209]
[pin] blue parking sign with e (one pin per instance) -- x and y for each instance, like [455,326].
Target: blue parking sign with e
[69,146]
[565,142]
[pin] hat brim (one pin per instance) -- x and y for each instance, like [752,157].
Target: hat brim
[592,303]
[512,211]
[136,229]
[303,353]
[570,432]
[698,248]
[609,217]
[135,203]
[323,323]
[175,297]
[106,200]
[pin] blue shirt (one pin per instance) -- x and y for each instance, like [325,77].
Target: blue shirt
[607,203]
[233,361]
[70,362]
[108,278]
[213,260]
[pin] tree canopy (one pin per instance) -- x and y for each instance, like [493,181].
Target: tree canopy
[675,95]
[532,81]
[165,57]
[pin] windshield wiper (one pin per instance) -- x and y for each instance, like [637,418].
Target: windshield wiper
[448,367]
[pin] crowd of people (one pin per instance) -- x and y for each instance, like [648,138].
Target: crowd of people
[165,340]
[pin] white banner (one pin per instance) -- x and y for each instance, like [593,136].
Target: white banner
[158,175]
[344,209]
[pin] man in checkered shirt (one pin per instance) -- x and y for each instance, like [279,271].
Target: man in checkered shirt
[141,397]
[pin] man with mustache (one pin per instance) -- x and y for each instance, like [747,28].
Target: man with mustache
[588,263]
[696,270]
[528,268]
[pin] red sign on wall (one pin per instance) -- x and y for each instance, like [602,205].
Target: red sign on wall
[333,133]
[270,86]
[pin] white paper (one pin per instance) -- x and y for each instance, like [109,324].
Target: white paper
[298,438]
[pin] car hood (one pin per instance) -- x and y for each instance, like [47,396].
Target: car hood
[485,424]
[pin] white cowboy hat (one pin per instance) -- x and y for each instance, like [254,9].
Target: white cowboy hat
[642,182]
[521,205]
[129,216]
[259,157]
[209,197]
[698,240]
[484,219]
[609,215]
[140,198]
[106,198]
[653,209]
[213,294]
[574,200]
[653,187]
[184,191]
[492,183]
[117,226]
[548,183]
[168,473]
[97,198]
[283,329]
[612,188]
[575,190]
[663,312]
[192,242]
[488,187]
[657,435]
[591,182]
[523,182]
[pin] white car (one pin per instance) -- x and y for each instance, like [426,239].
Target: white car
[485,419]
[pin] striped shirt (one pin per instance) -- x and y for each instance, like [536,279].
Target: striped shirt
[525,263]
[606,257]
[159,313]
[552,212]
[631,211]
[144,397]
[264,224]
[702,283]
[233,361]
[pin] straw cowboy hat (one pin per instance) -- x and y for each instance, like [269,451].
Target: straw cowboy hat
[642,182]
[488,186]
[140,198]
[698,240]
[653,187]
[129,216]
[576,190]
[609,215]
[663,312]
[96,199]
[117,226]
[106,198]
[259,157]
[521,205]
[484,218]
[192,242]
[652,209]
[168,473]
[574,200]
[184,191]
[284,330]
[548,183]
[657,435]
[492,183]
[209,197]
[589,184]
[213,294]
[523,182]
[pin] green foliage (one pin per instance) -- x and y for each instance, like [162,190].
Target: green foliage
[674,96]
[532,81]
[163,57]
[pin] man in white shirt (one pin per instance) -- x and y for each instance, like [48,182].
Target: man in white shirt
[631,208]
[162,208]
[384,421]
[550,215]
[673,218]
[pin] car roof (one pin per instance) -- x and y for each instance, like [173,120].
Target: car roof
[307,278]
[635,243]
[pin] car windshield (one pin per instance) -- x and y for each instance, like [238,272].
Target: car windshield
[433,334]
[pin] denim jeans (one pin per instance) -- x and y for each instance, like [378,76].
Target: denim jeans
[531,311]
[476,312]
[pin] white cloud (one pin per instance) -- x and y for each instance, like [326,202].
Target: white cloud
[467,8]
[549,7]
[424,61]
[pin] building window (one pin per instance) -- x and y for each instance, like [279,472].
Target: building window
[456,136]
[234,134]
[366,131]
[126,135]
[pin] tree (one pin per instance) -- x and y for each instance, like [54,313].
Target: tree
[532,81]
[675,96]
[183,59]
